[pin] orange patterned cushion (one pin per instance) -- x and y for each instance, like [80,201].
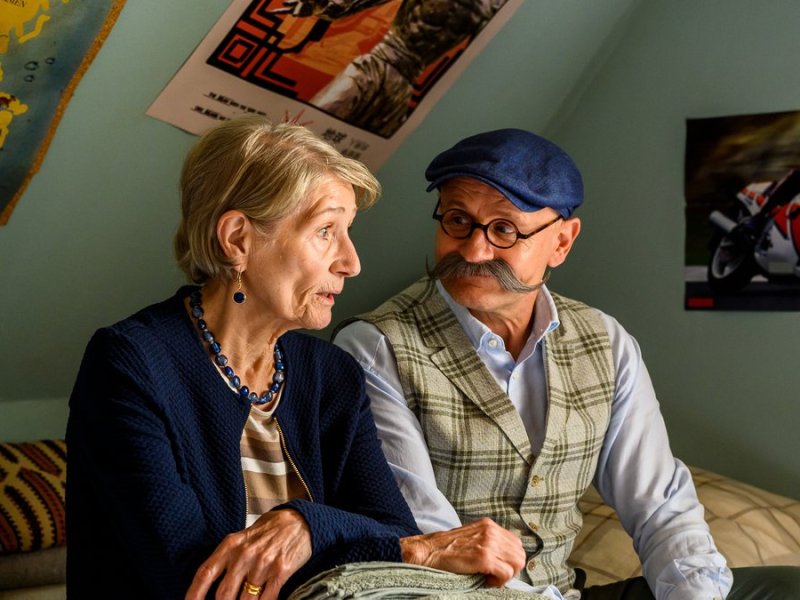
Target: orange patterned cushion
[32,489]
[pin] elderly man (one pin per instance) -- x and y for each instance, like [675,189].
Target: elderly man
[495,397]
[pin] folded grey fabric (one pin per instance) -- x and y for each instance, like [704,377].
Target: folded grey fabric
[369,580]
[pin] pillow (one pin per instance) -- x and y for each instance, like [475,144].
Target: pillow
[32,491]
[750,527]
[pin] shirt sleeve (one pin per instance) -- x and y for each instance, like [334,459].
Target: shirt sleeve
[400,433]
[652,491]
[402,438]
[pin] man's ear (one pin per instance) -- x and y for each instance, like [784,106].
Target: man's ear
[235,232]
[567,234]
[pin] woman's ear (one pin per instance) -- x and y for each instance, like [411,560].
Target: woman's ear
[235,232]
[567,234]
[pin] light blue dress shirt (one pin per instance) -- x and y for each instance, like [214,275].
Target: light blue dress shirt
[637,474]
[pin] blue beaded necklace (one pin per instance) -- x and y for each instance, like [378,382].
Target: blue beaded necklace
[222,361]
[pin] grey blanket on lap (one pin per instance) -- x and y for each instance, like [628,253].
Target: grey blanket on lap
[397,580]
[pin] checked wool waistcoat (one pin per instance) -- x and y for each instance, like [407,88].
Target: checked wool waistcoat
[476,440]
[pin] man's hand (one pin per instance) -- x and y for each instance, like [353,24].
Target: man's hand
[479,547]
[265,555]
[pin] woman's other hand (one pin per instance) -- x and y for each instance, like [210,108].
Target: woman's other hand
[264,555]
[482,546]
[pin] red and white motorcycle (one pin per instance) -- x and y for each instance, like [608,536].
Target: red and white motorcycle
[762,238]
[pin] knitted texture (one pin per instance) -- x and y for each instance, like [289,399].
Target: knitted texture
[155,478]
[388,580]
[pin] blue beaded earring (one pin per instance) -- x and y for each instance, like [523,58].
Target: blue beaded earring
[239,296]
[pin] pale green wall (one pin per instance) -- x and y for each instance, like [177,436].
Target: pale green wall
[91,239]
[728,382]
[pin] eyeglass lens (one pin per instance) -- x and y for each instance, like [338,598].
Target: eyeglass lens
[460,225]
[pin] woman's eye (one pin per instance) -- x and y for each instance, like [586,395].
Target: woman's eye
[324,233]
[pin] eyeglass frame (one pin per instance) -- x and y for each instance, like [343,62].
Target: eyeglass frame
[485,226]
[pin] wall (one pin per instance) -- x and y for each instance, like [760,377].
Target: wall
[727,381]
[90,240]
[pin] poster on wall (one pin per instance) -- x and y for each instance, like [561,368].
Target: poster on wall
[360,73]
[742,191]
[45,48]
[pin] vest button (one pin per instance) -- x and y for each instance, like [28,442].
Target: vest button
[531,564]
[536,480]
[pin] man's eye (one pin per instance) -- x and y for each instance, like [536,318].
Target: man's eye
[504,228]
[458,219]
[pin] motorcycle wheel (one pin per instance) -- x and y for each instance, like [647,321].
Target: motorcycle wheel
[732,265]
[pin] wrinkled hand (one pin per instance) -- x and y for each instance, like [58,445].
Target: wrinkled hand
[267,553]
[479,547]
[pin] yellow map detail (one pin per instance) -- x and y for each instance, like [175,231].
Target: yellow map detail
[25,18]
[10,107]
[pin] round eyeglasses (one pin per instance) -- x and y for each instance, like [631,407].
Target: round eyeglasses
[500,233]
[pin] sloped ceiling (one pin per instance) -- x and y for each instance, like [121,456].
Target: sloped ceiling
[541,60]
[90,241]
[530,75]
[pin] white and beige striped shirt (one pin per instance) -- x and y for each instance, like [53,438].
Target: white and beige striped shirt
[270,478]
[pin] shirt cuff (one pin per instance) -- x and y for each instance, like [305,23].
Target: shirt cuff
[695,577]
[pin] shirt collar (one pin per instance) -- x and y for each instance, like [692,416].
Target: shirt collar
[545,319]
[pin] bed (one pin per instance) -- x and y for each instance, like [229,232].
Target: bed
[750,527]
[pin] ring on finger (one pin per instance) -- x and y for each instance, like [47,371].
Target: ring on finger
[251,589]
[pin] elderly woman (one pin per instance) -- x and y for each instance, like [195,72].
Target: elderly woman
[211,449]
[201,417]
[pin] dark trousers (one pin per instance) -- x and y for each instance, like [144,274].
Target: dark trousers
[749,583]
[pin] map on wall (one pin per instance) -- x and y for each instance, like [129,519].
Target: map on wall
[360,73]
[45,47]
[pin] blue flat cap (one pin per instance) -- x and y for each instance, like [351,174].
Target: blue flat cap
[532,172]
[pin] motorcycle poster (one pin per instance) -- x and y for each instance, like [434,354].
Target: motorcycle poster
[742,191]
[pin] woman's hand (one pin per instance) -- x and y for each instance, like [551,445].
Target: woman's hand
[479,547]
[265,554]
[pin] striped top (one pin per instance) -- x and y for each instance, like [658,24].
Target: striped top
[270,478]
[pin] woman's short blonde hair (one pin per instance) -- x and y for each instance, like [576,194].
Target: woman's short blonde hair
[265,171]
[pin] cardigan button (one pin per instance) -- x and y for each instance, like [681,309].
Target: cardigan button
[531,564]
[533,526]
[536,480]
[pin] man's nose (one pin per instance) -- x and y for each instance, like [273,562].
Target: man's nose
[476,248]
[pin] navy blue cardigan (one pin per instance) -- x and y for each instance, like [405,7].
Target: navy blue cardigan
[154,474]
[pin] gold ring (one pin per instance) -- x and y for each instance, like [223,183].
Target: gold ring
[252,590]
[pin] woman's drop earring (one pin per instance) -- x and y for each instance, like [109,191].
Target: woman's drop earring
[239,296]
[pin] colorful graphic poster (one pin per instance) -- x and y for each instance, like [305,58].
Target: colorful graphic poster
[742,189]
[360,73]
[45,47]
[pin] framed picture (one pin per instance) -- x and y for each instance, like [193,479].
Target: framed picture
[742,191]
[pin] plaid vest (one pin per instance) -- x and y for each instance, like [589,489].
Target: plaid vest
[477,443]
